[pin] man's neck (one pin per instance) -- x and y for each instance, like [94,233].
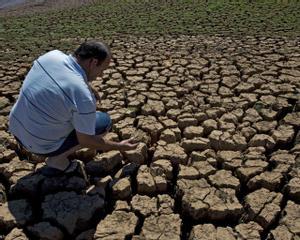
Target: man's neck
[83,65]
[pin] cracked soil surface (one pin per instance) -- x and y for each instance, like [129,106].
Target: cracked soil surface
[218,122]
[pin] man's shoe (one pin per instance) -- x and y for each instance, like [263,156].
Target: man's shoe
[54,172]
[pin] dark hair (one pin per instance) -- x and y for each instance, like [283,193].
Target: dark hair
[92,49]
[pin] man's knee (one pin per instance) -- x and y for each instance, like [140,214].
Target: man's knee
[103,123]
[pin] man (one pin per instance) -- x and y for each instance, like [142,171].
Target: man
[55,114]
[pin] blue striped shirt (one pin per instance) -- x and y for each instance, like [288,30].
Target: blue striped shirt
[54,100]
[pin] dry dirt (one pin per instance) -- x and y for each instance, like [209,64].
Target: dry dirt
[218,119]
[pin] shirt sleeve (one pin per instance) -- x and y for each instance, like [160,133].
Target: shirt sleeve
[84,117]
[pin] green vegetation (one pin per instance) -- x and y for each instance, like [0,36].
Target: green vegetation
[24,35]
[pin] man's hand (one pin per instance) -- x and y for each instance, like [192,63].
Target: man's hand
[128,144]
[99,143]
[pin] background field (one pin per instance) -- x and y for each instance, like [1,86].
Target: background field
[31,30]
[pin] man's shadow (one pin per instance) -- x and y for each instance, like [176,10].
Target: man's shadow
[32,198]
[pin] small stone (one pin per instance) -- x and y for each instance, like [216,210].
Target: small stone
[166,167]
[103,182]
[224,179]
[195,144]
[250,230]
[231,81]
[121,188]
[209,125]
[173,114]
[264,206]
[281,233]
[250,169]
[144,205]
[204,168]
[262,140]
[187,172]
[226,126]
[225,141]
[268,180]
[210,232]
[86,154]
[268,114]
[292,119]
[122,206]
[200,116]
[169,123]
[215,112]
[248,132]
[111,136]
[16,170]
[139,155]
[104,162]
[252,115]
[193,132]
[202,155]
[186,122]
[150,125]
[161,184]
[154,108]
[230,159]
[229,118]
[245,87]
[283,157]
[284,134]
[145,181]
[165,204]
[293,189]
[291,218]
[168,136]
[159,227]
[172,152]
[265,126]
[118,225]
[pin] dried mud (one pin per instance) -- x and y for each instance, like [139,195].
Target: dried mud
[218,122]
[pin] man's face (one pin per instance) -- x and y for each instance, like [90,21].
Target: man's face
[97,68]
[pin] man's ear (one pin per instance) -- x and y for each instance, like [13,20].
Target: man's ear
[94,61]
[90,62]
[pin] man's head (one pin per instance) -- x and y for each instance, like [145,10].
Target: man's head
[94,57]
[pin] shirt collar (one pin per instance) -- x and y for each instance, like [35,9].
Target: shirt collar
[77,67]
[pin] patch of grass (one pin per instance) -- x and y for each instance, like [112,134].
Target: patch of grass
[39,32]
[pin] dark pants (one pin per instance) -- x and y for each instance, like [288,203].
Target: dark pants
[103,124]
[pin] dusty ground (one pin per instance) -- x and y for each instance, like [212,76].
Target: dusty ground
[219,122]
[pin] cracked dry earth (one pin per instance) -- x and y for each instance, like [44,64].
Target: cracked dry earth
[219,158]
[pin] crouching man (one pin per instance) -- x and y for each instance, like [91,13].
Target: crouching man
[55,114]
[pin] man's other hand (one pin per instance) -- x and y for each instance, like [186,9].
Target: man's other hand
[128,144]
